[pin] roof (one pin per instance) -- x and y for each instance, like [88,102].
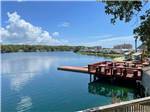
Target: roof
[137,54]
[127,53]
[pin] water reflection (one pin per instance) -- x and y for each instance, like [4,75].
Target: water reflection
[20,80]
[26,65]
[24,104]
[115,92]
[25,69]
[20,71]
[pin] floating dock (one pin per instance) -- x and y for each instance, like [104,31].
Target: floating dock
[116,70]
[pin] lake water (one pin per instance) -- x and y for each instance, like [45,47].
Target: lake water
[32,83]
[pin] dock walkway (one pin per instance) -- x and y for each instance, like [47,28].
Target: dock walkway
[74,69]
[120,70]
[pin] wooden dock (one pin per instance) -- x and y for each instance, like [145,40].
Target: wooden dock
[75,69]
[108,69]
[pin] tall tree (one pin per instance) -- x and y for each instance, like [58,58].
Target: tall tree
[125,11]
[143,31]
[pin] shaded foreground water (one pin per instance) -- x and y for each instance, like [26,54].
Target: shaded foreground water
[32,83]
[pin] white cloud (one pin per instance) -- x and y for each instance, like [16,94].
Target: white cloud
[55,34]
[64,24]
[20,31]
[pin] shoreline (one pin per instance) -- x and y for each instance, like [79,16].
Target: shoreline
[112,56]
[34,48]
[33,52]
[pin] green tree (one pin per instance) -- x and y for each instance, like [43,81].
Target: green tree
[143,31]
[126,11]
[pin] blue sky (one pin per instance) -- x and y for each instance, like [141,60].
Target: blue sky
[65,23]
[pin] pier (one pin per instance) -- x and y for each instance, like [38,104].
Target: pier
[74,69]
[125,70]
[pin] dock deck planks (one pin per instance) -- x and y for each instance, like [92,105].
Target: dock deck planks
[74,69]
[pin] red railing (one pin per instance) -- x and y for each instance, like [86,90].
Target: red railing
[121,69]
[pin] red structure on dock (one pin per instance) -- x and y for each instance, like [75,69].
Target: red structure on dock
[121,70]
[126,70]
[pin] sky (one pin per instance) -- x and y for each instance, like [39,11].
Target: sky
[62,23]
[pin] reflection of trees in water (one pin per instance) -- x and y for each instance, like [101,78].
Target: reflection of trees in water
[117,93]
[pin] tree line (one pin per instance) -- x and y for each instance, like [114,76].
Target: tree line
[37,48]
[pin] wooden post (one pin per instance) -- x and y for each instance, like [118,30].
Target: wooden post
[90,78]
[124,72]
[135,73]
[114,71]
[100,69]
[94,77]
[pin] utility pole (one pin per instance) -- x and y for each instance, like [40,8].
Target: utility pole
[136,37]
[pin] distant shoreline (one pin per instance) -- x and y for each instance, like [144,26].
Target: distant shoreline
[110,55]
[44,48]
[34,48]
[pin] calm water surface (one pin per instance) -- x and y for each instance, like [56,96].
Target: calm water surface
[32,83]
